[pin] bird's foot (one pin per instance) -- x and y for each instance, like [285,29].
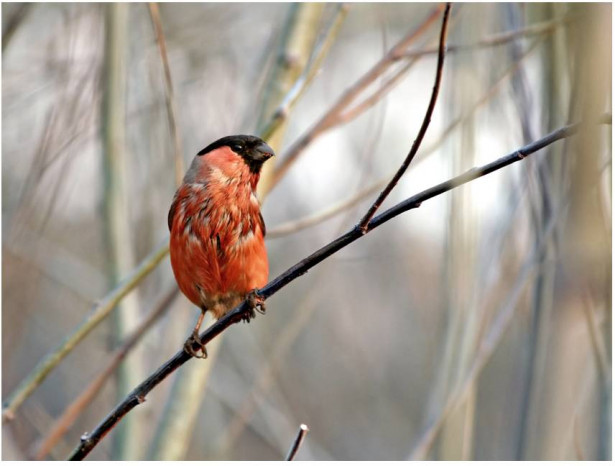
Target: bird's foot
[200,352]
[256,303]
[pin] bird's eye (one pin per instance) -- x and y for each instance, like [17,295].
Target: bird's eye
[237,147]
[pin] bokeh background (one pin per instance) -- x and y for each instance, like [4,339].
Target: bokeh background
[475,327]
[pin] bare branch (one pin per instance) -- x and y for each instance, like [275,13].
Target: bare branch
[303,430]
[64,422]
[332,117]
[335,209]
[99,312]
[331,211]
[137,396]
[419,138]
[169,94]
[537,29]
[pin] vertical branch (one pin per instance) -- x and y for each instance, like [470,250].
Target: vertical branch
[586,243]
[460,269]
[551,178]
[117,232]
[169,93]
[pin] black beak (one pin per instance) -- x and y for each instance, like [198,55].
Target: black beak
[263,152]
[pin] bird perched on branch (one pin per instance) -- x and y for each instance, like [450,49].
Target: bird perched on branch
[217,244]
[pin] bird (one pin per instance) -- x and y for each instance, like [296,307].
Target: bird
[217,231]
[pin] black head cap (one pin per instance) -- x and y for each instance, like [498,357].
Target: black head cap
[252,149]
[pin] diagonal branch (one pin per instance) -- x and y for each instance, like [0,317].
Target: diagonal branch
[495,40]
[294,448]
[137,396]
[333,115]
[423,129]
[99,312]
[70,414]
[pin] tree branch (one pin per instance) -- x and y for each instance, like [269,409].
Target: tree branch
[100,311]
[303,430]
[137,396]
[72,412]
[332,117]
[172,113]
[423,129]
[495,40]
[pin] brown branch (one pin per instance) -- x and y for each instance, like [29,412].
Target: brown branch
[495,40]
[137,396]
[169,94]
[293,226]
[423,129]
[333,116]
[331,211]
[99,312]
[303,430]
[72,412]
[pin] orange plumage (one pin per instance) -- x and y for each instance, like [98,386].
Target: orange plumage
[217,244]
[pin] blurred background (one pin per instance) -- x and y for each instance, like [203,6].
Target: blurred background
[475,327]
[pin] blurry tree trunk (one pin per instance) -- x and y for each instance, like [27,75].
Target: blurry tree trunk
[546,200]
[587,247]
[457,435]
[298,40]
[179,419]
[127,439]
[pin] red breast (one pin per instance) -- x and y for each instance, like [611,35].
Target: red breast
[217,232]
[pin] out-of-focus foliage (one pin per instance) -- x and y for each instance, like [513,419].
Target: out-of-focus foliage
[368,347]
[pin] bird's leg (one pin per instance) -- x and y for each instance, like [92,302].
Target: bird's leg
[201,352]
[256,303]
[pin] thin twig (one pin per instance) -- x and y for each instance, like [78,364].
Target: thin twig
[303,430]
[169,93]
[332,117]
[423,129]
[496,39]
[325,214]
[314,219]
[99,312]
[72,412]
[137,396]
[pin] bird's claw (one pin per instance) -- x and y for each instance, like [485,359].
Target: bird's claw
[200,352]
[256,304]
